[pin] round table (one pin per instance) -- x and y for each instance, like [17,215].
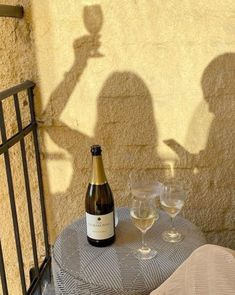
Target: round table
[79,268]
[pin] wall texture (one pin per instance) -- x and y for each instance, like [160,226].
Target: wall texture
[17,64]
[159,97]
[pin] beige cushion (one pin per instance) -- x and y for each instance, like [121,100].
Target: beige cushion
[210,270]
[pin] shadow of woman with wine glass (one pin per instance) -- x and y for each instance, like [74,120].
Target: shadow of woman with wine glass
[211,203]
[73,143]
[125,128]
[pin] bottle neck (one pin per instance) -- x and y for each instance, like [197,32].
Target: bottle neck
[98,175]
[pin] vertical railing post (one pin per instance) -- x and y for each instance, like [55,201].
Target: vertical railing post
[39,171]
[12,202]
[3,273]
[40,273]
[27,186]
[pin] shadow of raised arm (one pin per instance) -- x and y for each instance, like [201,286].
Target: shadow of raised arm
[60,96]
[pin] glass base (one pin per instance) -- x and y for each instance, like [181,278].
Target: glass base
[145,253]
[172,236]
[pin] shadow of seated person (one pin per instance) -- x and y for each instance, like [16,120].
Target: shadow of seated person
[212,172]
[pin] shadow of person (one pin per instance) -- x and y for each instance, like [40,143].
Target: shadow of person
[125,127]
[211,203]
[65,137]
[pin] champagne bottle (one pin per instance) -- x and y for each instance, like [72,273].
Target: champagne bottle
[99,204]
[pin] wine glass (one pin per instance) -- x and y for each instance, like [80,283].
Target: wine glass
[93,19]
[143,183]
[143,216]
[172,200]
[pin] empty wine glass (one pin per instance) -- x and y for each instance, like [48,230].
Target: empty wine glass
[143,183]
[143,216]
[93,19]
[172,200]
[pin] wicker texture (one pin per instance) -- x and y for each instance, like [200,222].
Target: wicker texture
[79,268]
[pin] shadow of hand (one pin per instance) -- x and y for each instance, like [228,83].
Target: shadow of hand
[84,46]
[184,155]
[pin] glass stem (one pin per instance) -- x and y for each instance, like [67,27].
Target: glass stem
[172,224]
[144,246]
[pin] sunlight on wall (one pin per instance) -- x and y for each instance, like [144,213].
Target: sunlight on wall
[143,100]
[141,38]
[59,166]
[159,50]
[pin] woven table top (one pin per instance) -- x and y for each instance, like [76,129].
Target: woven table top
[79,268]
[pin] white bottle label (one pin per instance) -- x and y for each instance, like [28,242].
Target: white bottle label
[99,227]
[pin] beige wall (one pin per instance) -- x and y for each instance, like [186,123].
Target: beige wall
[165,77]
[161,95]
[17,64]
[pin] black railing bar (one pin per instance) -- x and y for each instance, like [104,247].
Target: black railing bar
[16,138]
[11,11]
[39,173]
[3,273]
[13,90]
[46,265]
[27,186]
[12,203]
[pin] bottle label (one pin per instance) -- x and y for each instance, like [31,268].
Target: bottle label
[100,227]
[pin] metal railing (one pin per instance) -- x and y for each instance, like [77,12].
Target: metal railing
[11,11]
[39,273]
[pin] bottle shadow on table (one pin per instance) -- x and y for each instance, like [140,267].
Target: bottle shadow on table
[127,233]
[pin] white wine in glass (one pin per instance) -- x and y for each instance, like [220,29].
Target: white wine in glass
[172,201]
[143,220]
[172,207]
[143,216]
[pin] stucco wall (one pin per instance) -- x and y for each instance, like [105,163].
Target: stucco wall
[160,98]
[17,64]
[160,95]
